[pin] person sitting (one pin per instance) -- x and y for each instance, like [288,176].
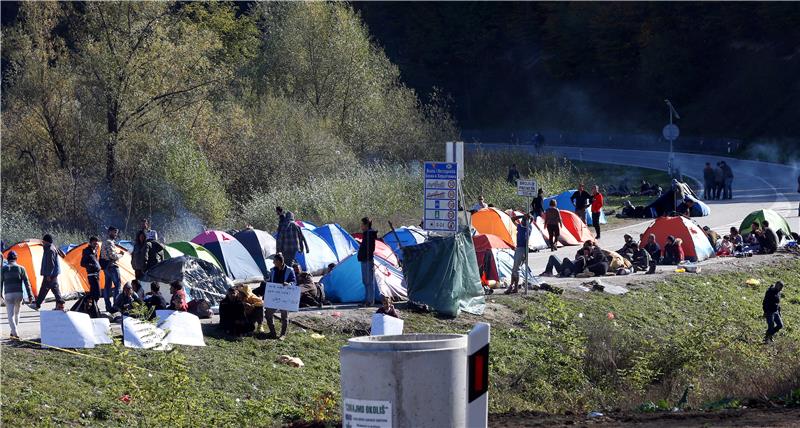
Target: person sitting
[388,308]
[253,308]
[330,268]
[653,248]
[596,262]
[725,247]
[644,189]
[685,208]
[627,249]
[769,239]
[673,251]
[736,239]
[481,204]
[232,318]
[311,293]
[566,267]
[713,237]
[125,301]
[154,300]
[640,259]
[178,300]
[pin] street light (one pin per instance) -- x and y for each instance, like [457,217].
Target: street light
[671,132]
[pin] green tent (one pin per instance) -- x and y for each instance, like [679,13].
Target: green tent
[443,274]
[184,248]
[776,221]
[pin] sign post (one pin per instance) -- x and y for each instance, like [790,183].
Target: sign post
[440,201]
[671,133]
[527,188]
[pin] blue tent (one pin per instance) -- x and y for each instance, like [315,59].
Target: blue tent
[338,239]
[404,236]
[344,285]
[563,203]
[320,254]
[259,244]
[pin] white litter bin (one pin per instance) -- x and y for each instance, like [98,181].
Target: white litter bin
[410,380]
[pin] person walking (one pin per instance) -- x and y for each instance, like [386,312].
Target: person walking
[279,274]
[513,175]
[50,270]
[537,206]
[521,250]
[708,182]
[553,224]
[581,199]
[13,281]
[719,180]
[597,209]
[109,257]
[727,180]
[366,256]
[772,310]
[290,239]
[90,262]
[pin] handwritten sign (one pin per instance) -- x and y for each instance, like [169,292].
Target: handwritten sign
[385,325]
[182,328]
[278,296]
[367,413]
[69,330]
[143,335]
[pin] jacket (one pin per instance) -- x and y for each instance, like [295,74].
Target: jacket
[552,217]
[13,278]
[654,250]
[772,301]
[109,253]
[89,260]
[288,276]
[770,243]
[140,254]
[290,237]
[642,258]
[178,301]
[581,199]
[673,253]
[124,303]
[50,265]
[367,248]
[708,174]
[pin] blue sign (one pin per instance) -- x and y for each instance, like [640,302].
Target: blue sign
[441,196]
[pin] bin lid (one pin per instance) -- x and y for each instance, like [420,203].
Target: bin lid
[408,342]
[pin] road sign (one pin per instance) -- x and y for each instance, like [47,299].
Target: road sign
[441,196]
[526,188]
[671,132]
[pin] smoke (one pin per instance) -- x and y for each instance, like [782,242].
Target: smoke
[777,151]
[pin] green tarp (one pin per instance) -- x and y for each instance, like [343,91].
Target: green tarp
[776,221]
[443,274]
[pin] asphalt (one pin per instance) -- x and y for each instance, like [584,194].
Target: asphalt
[756,185]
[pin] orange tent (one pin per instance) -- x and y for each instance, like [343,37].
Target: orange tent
[73,258]
[29,256]
[576,227]
[695,242]
[491,221]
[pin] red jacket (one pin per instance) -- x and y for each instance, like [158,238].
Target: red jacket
[597,202]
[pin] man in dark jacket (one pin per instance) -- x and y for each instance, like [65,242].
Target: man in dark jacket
[708,182]
[581,199]
[727,180]
[772,310]
[768,239]
[627,249]
[365,255]
[90,262]
[49,272]
[653,248]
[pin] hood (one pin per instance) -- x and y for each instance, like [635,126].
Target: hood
[289,217]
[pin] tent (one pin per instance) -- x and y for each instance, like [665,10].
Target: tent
[504,263]
[320,254]
[495,222]
[231,254]
[668,201]
[186,248]
[695,243]
[484,244]
[127,245]
[344,285]
[338,239]
[305,224]
[29,256]
[442,273]
[776,221]
[201,279]
[563,203]
[73,258]
[403,237]
[260,244]
[384,251]
[576,227]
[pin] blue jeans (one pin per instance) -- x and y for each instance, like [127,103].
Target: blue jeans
[774,323]
[112,279]
[368,278]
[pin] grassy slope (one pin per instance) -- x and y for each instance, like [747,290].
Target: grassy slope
[700,330]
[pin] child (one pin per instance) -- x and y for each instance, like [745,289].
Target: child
[726,248]
[388,308]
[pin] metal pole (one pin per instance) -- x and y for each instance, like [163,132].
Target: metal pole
[527,247]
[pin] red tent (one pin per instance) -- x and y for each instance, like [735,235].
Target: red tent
[695,243]
[565,237]
[576,227]
[484,244]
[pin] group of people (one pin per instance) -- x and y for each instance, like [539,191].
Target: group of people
[717,181]
[761,239]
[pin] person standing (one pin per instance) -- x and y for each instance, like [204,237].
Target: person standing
[13,280]
[727,180]
[150,234]
[581,199]
[89,261]
[537,207]
[521,250]
[279,274]
[141,251]
[553,224]
[481,204]
[719,180]
[290,239]
[772,310]
[597,209]
[109,257]
[708,182]
[50,270]
[513,175]
[366,256]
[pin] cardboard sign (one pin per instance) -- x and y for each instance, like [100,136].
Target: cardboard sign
[367,413]
[71,330]
[278,296]
[182,328]
[143,335]
[385,325]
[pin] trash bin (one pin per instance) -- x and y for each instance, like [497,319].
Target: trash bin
[410,380]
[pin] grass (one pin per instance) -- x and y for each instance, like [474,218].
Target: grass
[549,354]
